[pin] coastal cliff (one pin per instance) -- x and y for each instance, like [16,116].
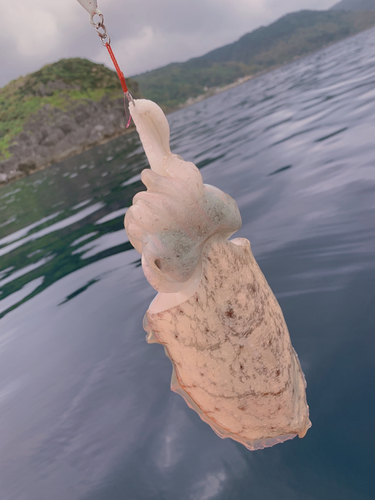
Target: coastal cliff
[56,112]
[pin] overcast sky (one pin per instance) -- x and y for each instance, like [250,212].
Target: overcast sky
[145,34]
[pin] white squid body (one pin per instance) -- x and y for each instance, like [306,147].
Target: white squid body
[215,313]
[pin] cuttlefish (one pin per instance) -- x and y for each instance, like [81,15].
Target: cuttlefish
[215,314]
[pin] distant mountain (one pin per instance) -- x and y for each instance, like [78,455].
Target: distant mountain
[292,36]
[354,5]
[73,104]
[60,110]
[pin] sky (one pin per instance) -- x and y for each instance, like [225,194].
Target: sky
[145,34]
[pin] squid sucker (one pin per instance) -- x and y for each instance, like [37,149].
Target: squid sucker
[215,314]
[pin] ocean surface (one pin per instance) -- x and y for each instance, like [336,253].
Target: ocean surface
[86,412]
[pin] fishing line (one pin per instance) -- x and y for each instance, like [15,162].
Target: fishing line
[92,8]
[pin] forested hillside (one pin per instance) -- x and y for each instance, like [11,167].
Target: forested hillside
[292,36]
[354,5]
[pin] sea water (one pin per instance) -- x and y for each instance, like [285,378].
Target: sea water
[86,411]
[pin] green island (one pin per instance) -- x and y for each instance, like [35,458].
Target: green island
[62,85]
[62,109]
[74,104]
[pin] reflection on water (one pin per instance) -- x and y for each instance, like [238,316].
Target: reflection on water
[85,405]
[34,236]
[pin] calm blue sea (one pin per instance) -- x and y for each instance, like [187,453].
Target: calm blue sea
[86,412]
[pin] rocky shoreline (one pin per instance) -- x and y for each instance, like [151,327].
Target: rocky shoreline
[53,135]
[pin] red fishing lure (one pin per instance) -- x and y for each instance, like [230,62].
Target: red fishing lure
[92,8]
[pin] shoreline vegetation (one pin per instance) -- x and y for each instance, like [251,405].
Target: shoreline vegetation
[59,111]
[73,105]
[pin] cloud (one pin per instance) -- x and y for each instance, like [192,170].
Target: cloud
[33,33]
[34,27]
[145,33]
